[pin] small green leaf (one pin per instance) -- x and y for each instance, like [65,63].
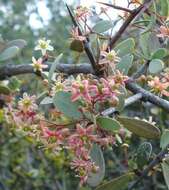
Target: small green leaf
[96,154]
[53,67]
[102,26]
[160,53]
[125,47]
[164,139]
[148,43]
[140,127]
[77,45]
[143,154]
[125,64]
[9,53]
[46,100]
[108,123]
[20,43]
[62,101]
[4,90]
[155,66]
[165,168]
[164,8]
[119,183]
[14,84]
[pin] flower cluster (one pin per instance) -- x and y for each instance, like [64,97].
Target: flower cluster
[159,86]
[164,32]
[81,13]
[26,111]
[78,142]
[102,90]
[43,46]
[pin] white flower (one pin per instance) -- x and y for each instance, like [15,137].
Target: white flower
[44,45]
[38,64]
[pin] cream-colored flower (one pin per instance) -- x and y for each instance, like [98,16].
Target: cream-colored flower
[44,46]
[110,58]
[38,64]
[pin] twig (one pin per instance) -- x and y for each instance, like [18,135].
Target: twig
[85,43]
[117,7]
[128,102]
[136,12]
[152,164]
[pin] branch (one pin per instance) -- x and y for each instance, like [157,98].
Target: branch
[117,7]
[150,167]
[147,96]
[135,14]
[85,43]
[128,102]
[13,70]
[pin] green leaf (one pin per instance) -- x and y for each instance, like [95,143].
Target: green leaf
[62,101]
[9,53]
[119,183]
[125,64]
[4,90]
[53,67]
[20,43]
[160,53]
[108,124]
[140,127]
[164,7]
[125,47]
[14,84]
[164,139]
[46,100]
[102,26]
[96,154]
[148,43]
[156,66]
[77,45]
[165,168]
[143,154]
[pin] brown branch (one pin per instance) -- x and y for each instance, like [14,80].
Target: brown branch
[150,167]
[117,7]
[147,96]
[135,14]
[13,70]
[87,48]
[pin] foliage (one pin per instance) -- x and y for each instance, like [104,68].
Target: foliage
[75,132]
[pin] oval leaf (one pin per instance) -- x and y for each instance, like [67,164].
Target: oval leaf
[119,183]
[143,154]
[140,127]
[155,66]
[108,123]
[9,53]
[20,43]
[164,139]
[125,47]
[125,64]
[165,168]
[62,101]
[96,154]
[160,53]
[4,90]
[53,67]
[102,26]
